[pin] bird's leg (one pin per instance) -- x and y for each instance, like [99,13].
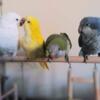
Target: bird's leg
[66,58]
[85,58]
[49,58]
[98,54]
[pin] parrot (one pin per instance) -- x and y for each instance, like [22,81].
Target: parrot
[9,34]
[58,45]
[32,42]
[9,37]
[89,37]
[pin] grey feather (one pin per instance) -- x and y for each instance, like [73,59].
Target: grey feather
[89,39]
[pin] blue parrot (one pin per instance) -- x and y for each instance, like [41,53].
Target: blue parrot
[89,39]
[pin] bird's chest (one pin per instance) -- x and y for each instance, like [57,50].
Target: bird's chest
[90,44]
[8,37]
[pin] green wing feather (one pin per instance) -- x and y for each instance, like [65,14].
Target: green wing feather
[57,39]
[66,37]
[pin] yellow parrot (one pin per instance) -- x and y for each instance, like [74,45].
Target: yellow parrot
[32,42]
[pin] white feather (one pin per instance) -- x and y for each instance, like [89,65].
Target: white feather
[9,32]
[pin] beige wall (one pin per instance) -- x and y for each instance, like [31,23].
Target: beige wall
[55,16]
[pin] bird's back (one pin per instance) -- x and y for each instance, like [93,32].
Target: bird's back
[58,40]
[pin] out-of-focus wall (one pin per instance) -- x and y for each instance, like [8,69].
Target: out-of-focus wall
[55,16]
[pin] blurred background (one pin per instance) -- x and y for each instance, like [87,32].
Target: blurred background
[55,16]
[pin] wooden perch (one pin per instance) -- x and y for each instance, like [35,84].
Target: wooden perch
[11,91]
[81,80]
[72,59]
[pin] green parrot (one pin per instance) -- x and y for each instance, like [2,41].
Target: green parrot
[58,45]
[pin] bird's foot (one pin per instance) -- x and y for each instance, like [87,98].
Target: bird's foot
[28,58]
[98,54]
[67,58]
[85,59]
[49,59]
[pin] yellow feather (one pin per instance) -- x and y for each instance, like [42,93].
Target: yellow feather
[33,38]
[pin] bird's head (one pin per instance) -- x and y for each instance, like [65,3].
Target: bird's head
[52,51]
[10,19]
[30,21]
[88,25]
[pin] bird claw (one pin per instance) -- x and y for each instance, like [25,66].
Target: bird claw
[98,54]
[28,58]
[85,59]
[67,59]
[49,59]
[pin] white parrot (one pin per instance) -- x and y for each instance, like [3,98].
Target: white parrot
[9,34]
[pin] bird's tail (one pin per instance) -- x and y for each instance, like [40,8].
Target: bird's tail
[44,65]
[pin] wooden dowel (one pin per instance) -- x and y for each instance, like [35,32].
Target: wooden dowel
[23,84]
[15,92]
[72,59]
[0,91]
[8,93]
[96,83]
[70,84]
[81,80]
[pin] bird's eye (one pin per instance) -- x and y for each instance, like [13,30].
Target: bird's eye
[28,21]
[87,24]
[16,19]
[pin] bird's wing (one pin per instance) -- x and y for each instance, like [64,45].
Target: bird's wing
[66,37]
[80,41]
[51,37]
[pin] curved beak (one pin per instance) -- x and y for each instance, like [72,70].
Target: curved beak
[48,55]
[22,21]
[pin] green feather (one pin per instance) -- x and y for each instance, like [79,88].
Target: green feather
[66,37]
[60,40]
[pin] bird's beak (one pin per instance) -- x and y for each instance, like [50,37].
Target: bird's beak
[49,55]
[22,21]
